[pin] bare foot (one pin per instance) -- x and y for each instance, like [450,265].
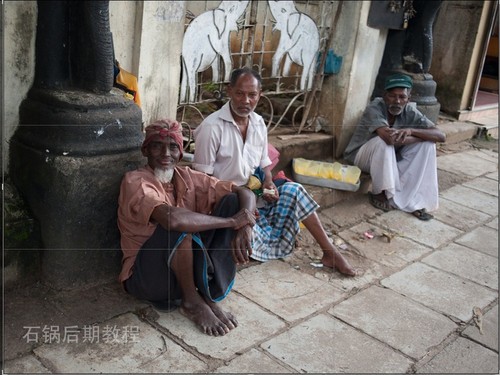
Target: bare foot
[334,259]
[224,316]
[202,315]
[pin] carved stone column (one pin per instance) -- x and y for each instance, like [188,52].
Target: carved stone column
[77,136]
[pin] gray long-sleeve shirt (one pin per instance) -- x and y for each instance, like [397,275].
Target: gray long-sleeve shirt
[375,116]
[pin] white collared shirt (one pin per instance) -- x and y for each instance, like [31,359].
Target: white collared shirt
[221,152]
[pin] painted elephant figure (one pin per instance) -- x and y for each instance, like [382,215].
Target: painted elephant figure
[205,40]
[299,41]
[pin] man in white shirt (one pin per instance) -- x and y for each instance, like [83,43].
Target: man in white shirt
[231,144]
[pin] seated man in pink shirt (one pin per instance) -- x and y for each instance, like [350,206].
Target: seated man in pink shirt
[182,232]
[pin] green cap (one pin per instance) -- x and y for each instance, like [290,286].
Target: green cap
[398,80]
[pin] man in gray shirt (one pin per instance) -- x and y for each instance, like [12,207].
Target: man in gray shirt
[396,144]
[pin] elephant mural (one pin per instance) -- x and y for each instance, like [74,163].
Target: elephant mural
[205,40]
[299,41]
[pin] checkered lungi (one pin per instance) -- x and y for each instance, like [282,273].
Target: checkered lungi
[278,224]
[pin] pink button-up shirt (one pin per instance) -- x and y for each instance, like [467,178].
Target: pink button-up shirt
[141,192]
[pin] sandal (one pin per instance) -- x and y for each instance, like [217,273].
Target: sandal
[422,214]
[377,203]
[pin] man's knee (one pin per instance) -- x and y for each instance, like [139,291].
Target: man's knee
[228,206]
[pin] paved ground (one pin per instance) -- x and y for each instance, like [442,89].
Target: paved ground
[427,303]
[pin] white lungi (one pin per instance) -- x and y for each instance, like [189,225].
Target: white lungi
[408,174]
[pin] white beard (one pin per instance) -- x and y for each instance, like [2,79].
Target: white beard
[164,175]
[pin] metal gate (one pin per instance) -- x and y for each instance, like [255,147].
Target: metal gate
[285,41]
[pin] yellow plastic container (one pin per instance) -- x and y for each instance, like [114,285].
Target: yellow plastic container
[334,175]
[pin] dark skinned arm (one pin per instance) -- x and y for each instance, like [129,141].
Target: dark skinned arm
[413,135]
[242,242]
[183,220]
[406,136]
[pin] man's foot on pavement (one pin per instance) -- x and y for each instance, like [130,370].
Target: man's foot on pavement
[203,316]
[224,316]
[335,260]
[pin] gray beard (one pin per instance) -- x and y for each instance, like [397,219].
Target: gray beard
[164,175]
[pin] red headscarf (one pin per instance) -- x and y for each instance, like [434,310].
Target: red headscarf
[164,128]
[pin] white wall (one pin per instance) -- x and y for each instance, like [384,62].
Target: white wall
[19,63]
[368,51]
[122,18]
[158,55]
[148,42]
[345,95]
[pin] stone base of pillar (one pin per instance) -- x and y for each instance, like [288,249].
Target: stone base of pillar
[423,93]
[75,201]
[71,184]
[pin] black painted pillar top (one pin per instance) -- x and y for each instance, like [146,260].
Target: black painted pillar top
[74,46]
[52,45]
[417,54]
[409,50]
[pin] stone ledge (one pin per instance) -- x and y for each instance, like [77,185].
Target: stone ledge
[458,131]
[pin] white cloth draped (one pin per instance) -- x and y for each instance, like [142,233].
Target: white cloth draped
[408,174]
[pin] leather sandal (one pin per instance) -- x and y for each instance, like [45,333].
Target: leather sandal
[377,203]
[422,214]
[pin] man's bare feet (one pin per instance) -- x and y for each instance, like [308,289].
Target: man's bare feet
[334,259]
[224,316]
[202,315]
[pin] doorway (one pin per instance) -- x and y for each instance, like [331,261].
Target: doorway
[486,96]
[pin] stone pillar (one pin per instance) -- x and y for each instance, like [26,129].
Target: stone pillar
[77,136]
[409,51]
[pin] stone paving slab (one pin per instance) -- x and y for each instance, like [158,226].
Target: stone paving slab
[25,365]
[440,290]
[462,356]
[400,322]
[493,176]
[489,337]
[493,224]
[18,318]
[469,163]
[485,154]
[254,325]
[349,212]
[254,362]
[148,351]
[285,291]
[59,309]
[459,216]
[323,344]
[96,304]
[484,184]
[395,254]
[432,233]
[472,198]
[372,272]
[464,262]
[482,239]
